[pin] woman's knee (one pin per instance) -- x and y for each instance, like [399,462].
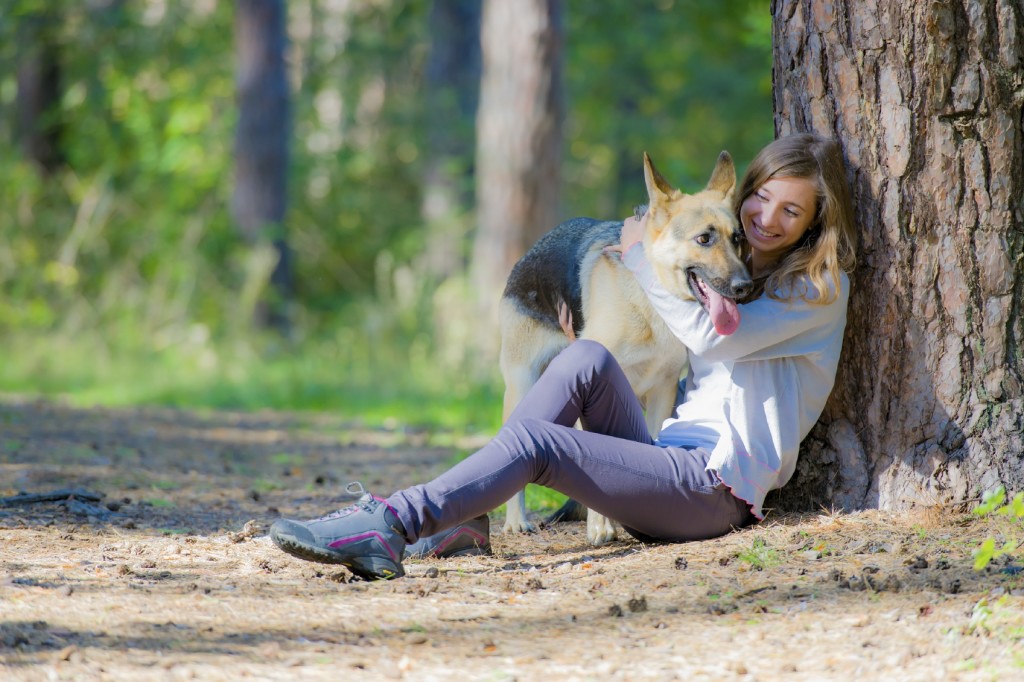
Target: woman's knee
[584,355]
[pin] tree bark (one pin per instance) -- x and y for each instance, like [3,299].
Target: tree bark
[519,139]
[39,91]
[453,91]
[261,144]
[926,100]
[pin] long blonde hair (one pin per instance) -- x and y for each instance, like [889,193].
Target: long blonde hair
[829,245]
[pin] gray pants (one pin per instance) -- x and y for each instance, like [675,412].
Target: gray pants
[612,466]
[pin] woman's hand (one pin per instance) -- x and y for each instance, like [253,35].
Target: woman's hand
[632,232]
[565,320]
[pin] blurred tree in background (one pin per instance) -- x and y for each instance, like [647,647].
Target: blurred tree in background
[39,90]
[123,278]
[451,93]
[261,150]
[519,146]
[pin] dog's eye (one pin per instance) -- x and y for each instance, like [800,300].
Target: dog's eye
[703,239]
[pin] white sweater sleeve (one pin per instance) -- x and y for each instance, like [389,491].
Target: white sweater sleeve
[768,328]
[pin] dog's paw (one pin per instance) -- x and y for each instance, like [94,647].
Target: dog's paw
[600,529]
[521,526]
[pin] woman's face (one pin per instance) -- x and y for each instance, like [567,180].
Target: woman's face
[776,216]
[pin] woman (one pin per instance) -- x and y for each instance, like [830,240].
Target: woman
[750,397]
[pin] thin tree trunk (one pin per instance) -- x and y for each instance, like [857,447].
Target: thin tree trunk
[453,88]
[926,99]
[261,144]
[39,91]
[519,139]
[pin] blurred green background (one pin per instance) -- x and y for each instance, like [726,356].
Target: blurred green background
[124,281]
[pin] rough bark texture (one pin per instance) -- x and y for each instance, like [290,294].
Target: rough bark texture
[519,137]
[926,99]
[261,142]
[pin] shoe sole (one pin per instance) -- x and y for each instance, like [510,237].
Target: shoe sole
[367,568]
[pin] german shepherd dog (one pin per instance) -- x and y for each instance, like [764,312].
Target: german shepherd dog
[695,246]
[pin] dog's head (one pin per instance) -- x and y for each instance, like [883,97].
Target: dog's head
[695,243]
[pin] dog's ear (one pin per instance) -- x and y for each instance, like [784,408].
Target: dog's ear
[658,190]
[723,178]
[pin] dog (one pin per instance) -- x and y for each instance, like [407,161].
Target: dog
[567,285]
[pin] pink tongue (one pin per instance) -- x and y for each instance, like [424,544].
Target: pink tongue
[724,313]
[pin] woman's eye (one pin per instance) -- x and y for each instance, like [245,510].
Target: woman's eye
[791,213]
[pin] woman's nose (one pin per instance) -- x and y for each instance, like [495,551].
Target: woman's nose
[769,214]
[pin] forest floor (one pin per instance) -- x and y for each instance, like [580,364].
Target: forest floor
[171,575]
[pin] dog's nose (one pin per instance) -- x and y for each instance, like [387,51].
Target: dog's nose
[742,286]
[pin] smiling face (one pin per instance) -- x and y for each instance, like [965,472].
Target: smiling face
[775,217]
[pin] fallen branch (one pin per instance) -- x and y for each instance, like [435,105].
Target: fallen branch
[54,496]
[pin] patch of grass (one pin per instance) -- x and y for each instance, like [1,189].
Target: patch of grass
[263,485]
[377,383]
[1002,619]
[822,547]
[760,556]
[288,459]
[541,499]
[995,506]
[165,485]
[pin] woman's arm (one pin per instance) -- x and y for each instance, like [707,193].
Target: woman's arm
[768,328]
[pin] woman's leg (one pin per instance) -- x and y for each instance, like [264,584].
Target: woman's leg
[617,470]
[584,382]
[657,493]
[613,467]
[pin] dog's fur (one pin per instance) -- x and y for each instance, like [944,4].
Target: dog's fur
[687,237]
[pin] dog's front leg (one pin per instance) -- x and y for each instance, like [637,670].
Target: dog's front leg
[600,529]
[515,515]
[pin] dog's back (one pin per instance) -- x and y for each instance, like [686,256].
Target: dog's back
[550,272]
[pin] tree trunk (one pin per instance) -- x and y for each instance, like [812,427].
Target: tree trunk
[926,99]
[519,139]
[453,88]
[39,92]
[261,145]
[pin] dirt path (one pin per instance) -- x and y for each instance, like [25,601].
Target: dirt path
[171,576]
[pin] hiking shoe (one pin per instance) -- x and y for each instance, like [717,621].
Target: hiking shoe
[466,539]
[365,537]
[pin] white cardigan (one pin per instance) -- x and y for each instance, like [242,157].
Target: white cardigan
[750,397]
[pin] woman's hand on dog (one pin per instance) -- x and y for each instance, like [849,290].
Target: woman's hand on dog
[632,232]
[565,320]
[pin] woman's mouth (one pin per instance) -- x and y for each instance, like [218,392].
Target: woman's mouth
[761,232]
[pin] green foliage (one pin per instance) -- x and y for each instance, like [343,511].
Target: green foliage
[123,279]
[680,80]
[993,503]
[760,556]
[1001,619]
